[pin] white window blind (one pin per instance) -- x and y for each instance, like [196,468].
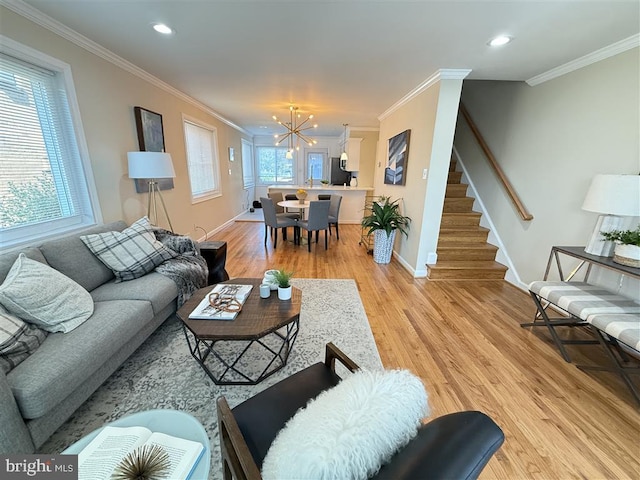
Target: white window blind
[43,188]
[248,176]
[202,160]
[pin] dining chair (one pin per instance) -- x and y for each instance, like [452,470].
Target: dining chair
[317,219]
[276,197]
[274,221]
[334,213]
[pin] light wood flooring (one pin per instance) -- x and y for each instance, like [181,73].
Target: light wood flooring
[464,340]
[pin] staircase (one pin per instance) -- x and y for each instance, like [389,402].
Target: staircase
[463,251]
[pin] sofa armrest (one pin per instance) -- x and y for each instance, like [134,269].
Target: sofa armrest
[14,435]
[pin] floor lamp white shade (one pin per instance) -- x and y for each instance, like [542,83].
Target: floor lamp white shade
[615,198]
[152,166]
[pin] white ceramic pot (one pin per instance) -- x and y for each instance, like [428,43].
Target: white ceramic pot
[270,279]
[627,255]
[284,293]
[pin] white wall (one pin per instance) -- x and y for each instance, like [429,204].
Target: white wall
[106,96]
[551,140]
[431,117]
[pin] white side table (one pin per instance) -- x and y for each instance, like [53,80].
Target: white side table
[171,422]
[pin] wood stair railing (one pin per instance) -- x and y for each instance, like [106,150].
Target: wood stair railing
[522,210]
[463,251]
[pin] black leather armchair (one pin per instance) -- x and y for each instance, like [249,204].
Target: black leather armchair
[454,446]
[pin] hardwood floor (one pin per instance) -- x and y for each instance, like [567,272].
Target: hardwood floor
[464,340]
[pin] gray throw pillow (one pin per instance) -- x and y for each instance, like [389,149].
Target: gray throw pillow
[130,254]
[18,340]
[38,294]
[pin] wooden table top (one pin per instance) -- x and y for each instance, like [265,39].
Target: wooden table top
[259,316]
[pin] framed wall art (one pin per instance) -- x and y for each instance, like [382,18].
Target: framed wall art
[395,172]
[150,139]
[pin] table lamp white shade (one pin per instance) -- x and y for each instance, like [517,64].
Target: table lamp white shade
[614,197]
[150,165]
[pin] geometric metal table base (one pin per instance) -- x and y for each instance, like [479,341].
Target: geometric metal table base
[223,359]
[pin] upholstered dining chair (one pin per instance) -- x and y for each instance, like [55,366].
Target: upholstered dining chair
[317,219]
[277,197]
[334,213]
[275,221]
[453,446]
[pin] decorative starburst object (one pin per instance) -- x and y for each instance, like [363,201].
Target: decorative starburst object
[148,462]
[295,129]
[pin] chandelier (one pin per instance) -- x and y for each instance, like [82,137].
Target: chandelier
[295,129]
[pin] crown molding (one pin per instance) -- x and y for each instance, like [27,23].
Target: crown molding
[442,74]
[594,57]
[36,16]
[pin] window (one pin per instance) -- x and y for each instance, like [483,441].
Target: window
[248,178]
[317,165]
[273,166]
[202,160]
[45,186]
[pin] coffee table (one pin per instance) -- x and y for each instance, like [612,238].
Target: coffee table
[250,348]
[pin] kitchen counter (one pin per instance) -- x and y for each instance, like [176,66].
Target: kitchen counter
[353,198]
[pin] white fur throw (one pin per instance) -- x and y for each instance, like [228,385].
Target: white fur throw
[350,430]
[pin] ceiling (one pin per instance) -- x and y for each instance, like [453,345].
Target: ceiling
[344,61]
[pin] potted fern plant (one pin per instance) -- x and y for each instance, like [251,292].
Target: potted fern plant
[283,278]
[627,250]
[383,222]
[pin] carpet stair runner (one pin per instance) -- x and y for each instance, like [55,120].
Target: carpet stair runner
[463,251]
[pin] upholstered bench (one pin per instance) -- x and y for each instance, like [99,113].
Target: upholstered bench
[619,334]
[581,301]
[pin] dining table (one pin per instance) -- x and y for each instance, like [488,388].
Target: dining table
[302,206]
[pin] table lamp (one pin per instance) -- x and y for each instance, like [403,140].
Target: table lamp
[151,166]
[614,197]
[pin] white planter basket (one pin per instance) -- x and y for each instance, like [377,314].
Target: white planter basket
[628,255]
[383,246]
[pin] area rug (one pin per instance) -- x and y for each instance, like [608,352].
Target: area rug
[162,373]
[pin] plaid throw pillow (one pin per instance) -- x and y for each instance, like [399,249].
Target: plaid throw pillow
[132,253]
[18,340]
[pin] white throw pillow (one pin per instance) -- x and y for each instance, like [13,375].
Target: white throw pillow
[130,254]
[350,430]
[38,294]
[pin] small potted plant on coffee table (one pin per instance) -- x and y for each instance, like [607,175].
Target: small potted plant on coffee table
[284,285]
[627,251]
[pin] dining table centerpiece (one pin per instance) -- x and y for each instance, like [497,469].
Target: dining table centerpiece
[301,194]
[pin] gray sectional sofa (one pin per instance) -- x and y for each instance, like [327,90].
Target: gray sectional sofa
[43,391]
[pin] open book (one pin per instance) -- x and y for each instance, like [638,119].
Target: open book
[103,454]
[224,302]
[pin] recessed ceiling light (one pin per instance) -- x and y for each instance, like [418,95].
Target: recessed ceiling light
[499,40]
[162,28]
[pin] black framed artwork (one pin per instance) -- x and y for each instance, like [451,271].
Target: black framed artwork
[395,172]
[150,139]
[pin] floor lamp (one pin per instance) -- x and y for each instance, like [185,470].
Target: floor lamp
[614,197]
[152,166]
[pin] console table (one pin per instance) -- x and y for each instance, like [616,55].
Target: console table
[586,259]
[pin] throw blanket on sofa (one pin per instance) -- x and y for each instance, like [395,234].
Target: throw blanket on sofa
[188,270]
